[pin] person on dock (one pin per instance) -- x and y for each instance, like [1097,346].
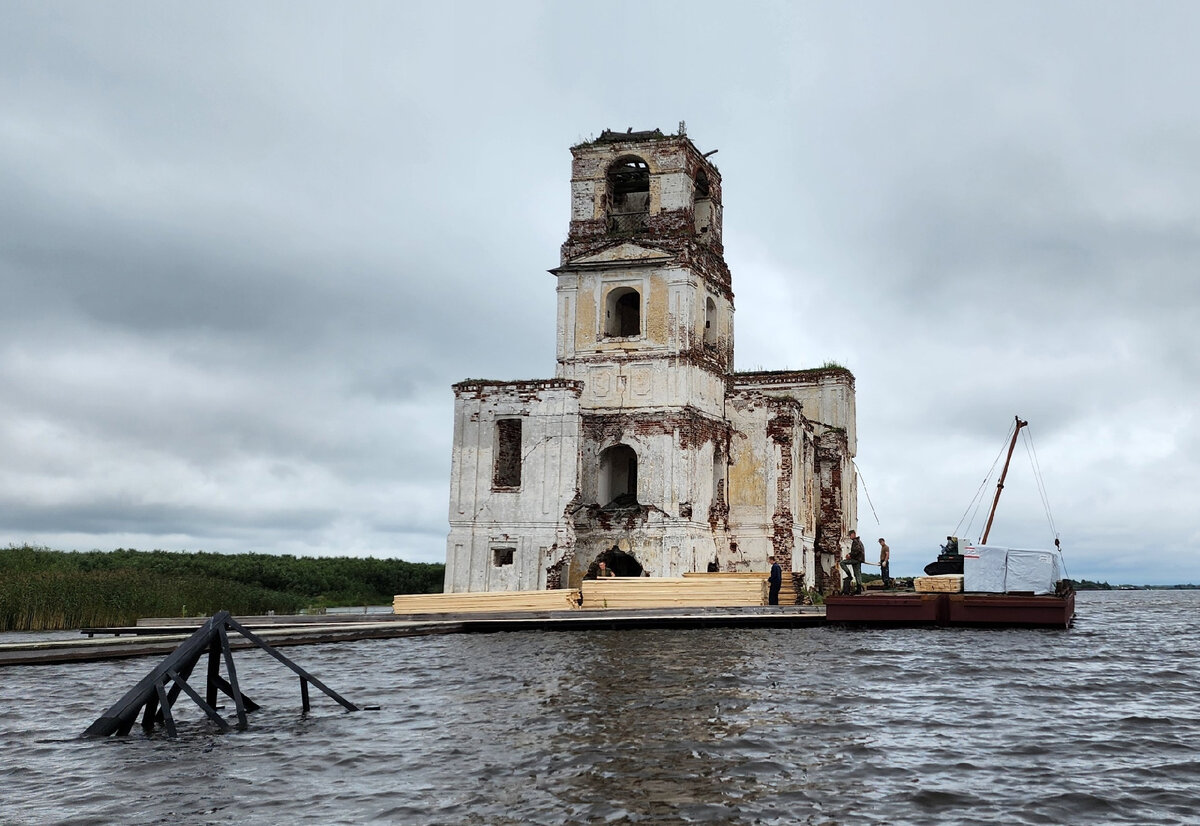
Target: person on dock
[852,565]
[885,557]
[602,571]
[775,581]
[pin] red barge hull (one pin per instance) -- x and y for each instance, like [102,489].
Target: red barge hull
[988,610]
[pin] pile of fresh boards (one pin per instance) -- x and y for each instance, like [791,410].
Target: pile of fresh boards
[477,601]
[692,590]
[940,584]
[789,592]
[707,590]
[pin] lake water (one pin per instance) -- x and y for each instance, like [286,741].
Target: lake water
[1098,724]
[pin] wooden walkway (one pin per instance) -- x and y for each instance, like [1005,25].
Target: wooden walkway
[158,637]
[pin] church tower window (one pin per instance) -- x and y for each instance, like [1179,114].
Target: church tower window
[702,204]
[628,196]
[623,313]
[618,477]
[506,469]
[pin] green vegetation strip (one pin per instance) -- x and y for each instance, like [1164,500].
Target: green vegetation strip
[43,589]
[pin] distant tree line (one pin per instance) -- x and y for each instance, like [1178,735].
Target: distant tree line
[1089,585]
[43,589]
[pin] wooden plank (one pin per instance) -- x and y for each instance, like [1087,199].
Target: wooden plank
[790,591]
[214,670]
[725,574]
[85,650]
[168,719]
[261,643]
[942,583]
[224,685]
[556,600]
[682,592]
[235,691]
[198,700]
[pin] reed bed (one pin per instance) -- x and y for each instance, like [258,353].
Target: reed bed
[42,589]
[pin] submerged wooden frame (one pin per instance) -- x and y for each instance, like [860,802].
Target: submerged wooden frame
[153,701]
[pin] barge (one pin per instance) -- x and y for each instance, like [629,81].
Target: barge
[977,585]
[948,609]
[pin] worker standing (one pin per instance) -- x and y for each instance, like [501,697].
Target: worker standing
[775,580]
[885,558]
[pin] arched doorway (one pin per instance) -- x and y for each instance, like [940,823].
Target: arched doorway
[621,563]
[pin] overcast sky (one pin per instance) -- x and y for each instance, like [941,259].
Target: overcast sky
[246,248]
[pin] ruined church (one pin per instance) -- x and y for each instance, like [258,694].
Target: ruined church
[647,449]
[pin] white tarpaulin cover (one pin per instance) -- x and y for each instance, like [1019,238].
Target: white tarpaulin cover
[1037,571]
[983,568]
[994,570]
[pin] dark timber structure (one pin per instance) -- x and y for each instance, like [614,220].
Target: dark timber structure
[152,699]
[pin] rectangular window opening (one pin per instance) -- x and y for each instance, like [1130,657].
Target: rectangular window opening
[506,473]
[502,556]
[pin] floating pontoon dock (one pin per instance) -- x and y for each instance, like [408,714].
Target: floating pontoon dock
[156,637]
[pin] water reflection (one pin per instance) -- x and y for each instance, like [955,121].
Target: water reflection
[653,723]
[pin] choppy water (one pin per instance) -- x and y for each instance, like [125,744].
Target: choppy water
[1100,724]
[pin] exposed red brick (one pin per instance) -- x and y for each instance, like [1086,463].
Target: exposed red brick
[695,428]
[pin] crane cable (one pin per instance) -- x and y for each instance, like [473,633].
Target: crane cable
[977,501]
[864,486]
[1041,485]
[1037,475]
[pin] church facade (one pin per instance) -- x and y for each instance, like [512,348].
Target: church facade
[647,450]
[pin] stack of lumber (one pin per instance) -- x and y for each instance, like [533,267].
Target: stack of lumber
[940,584]
[711,591]
[789,592]
[560,600]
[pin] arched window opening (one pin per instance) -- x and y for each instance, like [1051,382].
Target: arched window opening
[702,204]
[623,313]
[628,196]
[710,323]
[718,479]
[618,477]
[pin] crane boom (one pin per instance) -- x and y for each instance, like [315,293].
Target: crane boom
[1000,484]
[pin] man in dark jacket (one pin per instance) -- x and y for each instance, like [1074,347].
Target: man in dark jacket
[775,581]
[853,564]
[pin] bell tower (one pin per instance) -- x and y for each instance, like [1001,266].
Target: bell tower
[645,326]
[645,303]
